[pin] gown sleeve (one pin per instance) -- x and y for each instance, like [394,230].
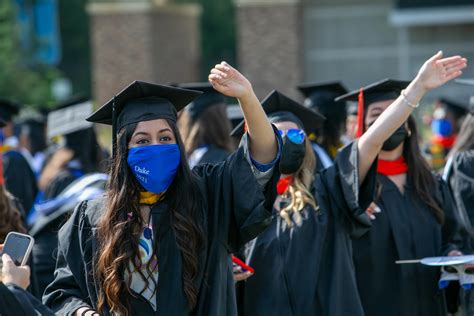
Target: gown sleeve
[239,197]
[66,293]
[451,237]
[350,200]
[30,304]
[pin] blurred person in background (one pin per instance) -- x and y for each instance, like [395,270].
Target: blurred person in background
[447,119]
[205,126]
[77,154]
[459,174]
[413,214]
[320,98]
[20,179]
[32,139]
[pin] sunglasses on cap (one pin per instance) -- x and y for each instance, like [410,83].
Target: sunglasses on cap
[295,135]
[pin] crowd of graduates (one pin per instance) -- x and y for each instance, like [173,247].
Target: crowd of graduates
[206,206]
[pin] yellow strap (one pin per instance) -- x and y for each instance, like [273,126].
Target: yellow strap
[149,198]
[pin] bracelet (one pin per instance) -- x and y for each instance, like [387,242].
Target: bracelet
[407,102]
[84,312]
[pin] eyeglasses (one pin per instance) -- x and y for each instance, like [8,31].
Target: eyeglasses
[295,135]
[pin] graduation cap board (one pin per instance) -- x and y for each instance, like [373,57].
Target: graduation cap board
[234,114]
[322,94]
[455,268]
[280,107]
[142,101]
[8,109]
[209,97]
[458,107]
[384,90]
[469,82]
[69,119]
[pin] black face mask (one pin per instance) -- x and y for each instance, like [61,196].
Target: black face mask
[292,156]
[396,139]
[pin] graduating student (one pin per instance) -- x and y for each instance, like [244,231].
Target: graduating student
[32,139]
[80,154]
[320,97]
[19,177]
[159,242]
[303,262]
[459,173]
[413,212]
[205,126]
[447,119]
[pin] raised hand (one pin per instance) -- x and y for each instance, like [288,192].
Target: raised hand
[436,71]
[227,80]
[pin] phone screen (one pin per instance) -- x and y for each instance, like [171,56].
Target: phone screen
[16,247]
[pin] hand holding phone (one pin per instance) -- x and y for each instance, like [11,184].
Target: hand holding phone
[18,247]
[20,276]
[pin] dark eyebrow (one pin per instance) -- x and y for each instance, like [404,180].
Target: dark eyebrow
[140,133]
[165,129]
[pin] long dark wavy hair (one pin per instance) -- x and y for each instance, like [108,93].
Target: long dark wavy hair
[118,235]
[419,174]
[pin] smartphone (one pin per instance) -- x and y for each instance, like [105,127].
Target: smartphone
[242,265]
[18,247]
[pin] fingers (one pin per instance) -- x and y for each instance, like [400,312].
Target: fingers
[242,276]
[7,260]
[436,57]
[453,59]
[453,75]
[220,74]
[455,66]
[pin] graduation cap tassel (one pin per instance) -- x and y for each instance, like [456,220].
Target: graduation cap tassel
[360,114]
[114,129]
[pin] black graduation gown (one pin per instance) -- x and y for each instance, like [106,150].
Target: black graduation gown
[20,180]
[234,211]
[308,270]
[461,183]
[44,253]
[405,229]
[14,301]
[214,155]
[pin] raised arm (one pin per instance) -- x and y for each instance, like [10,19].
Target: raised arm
[435,72]
[227,80]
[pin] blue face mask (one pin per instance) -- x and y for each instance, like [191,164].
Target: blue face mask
[441,127]
[155,166]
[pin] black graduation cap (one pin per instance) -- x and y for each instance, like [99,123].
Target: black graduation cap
[8,109]
[469,82]
[280,107]
[457,107]
[386,89]
[2,123]
[142,101]
[322,94]
[69,116]
[209,97]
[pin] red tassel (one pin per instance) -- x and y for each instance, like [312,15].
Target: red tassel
[283,184]
[360,114]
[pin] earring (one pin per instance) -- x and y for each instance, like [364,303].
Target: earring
[409,133]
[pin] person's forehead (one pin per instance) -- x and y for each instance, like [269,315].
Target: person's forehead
[286,125]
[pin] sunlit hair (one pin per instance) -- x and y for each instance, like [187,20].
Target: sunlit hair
[118,235]
[10,217]
[212,127]
[299,191]
[465,139]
